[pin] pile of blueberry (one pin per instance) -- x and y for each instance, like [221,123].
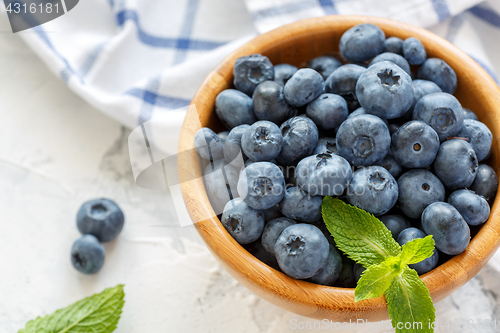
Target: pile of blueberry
[377,126]
[99,220]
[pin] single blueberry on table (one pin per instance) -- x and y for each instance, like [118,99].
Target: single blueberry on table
[242,222]
[343,82]
[269,103]
[418,188]
[362,42]
[262,141]
[414,51]
[373,189]
[469,114]
[473,208]
[302,251]
[87,254]
[299,205]
[234,108]
[456,164]
[394,45]
[272,231]
[395,224]
[363,140]
[325,65]
[425,265]
[323,174]
[395,58]
[300,137]
[208,144]
[328,111]
[251,70]
[326,145]
[232,146]
[391,165]
[442,112]
[261,185]
[303,87]
[479,136]
[329,274]
[448,228]
[101,218]
[485,183]
[221,179]
[385,90]
[438,71]
[283,73]
[415,145]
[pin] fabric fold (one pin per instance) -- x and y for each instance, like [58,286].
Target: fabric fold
[134,59]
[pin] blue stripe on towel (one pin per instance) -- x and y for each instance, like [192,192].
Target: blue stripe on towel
[454,28]
[328,6]
[153,98]
[186,30]
[164,42]
[486,14]
[441,8]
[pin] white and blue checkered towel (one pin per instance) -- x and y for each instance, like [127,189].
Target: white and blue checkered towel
[133,59]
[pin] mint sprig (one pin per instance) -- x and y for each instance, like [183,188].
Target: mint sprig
[360,235]
[95,314]
[366,240]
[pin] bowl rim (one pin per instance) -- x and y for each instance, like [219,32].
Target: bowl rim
[298,296]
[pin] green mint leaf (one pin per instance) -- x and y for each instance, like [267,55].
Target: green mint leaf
[409,303]
[376,279]
[417,250]
[95,314]
[357,233]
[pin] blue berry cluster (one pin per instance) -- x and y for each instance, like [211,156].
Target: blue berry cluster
[376,125]
[99,220]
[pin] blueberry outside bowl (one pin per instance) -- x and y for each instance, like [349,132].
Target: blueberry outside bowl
[296,44]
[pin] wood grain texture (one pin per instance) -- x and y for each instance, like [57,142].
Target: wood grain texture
[295,44]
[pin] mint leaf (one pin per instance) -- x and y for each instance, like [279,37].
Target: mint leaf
[366,240]
[357,233]
[376,279]
[417,250]
[409,303]
[95,314]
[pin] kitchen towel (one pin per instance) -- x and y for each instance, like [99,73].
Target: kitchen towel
[134,59]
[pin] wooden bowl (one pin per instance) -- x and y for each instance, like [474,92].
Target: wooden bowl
[295,44]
